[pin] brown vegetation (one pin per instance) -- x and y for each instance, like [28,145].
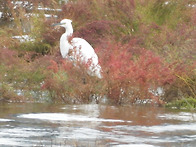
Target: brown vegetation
[141,45]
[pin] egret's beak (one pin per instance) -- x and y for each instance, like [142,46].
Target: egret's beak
[56,24]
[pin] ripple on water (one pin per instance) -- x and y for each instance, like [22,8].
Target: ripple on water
[134,145]
[94,125]
[164,128]
[66,117]
[11,142]
[21,136]
[5,120]
[182,116]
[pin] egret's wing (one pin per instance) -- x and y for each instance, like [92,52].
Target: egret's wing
[85,50]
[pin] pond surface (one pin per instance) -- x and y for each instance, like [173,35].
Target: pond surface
[94,125]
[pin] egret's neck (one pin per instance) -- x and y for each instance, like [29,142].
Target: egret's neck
[69,31]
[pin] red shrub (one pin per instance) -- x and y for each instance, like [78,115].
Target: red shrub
[53,66]
[132,76]
[96,32]
[8,56]
[70,83]
[51,35]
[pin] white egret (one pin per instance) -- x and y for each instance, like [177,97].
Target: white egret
[78,49]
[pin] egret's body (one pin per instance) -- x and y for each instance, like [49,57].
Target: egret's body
[78,49]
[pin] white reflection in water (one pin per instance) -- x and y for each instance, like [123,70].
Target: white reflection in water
[169,128]
[135,145]
[66,117]
[182,116]
[20,136]
[5,120]
[23,132]
[156,129]
[89,113]
[89,110]
[10,142]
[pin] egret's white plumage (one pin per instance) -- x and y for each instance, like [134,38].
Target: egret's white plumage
[78,49]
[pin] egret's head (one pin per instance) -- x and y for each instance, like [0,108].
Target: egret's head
[64,23]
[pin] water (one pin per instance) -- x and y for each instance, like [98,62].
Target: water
[94,125]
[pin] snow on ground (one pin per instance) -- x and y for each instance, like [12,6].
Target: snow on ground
[23,38]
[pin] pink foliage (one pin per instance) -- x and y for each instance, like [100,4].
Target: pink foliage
[8,56]
[122,70]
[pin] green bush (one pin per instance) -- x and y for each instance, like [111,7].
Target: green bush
[185,103]
[38,47]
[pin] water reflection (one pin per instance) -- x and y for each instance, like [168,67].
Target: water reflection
[94,125]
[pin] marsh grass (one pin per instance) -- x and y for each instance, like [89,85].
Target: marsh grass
[185,104]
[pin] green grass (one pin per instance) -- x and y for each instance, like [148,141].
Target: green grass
[186,104]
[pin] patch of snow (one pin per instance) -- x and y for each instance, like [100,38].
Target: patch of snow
[48,9]
[23,4]
[166,3]
[23,38]
[37,15]
[157,92]
[50,15]
[192,5]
